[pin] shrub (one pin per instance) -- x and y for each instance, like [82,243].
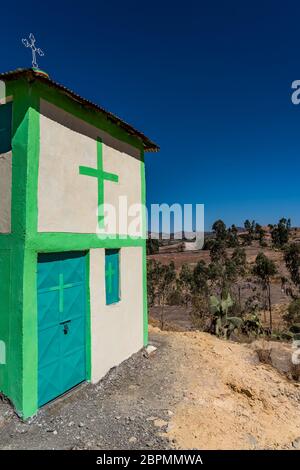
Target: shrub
[200,315]
[295,328]
[293,314]
[175,297]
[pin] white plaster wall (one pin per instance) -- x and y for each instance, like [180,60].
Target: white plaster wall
[117,329]
[67,201]
[5,192]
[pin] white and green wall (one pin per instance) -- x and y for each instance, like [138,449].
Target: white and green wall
[62,160]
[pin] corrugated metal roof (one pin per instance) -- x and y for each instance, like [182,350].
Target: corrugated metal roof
[32,75]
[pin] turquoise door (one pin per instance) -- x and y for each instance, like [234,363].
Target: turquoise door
[61,284]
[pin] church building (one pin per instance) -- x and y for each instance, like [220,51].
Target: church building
[73,300]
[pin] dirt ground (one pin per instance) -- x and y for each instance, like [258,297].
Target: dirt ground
[192,257]
[195,391]
[178,318]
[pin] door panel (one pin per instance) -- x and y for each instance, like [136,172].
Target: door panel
[61,323]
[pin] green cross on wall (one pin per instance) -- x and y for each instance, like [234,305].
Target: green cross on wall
[101,175]
[109,275]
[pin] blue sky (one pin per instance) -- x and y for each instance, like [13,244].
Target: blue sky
[210,82]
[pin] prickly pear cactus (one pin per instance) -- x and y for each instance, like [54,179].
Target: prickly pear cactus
[219,308]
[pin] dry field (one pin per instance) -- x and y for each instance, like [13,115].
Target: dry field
[178,317]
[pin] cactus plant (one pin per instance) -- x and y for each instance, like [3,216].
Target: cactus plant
[223,325]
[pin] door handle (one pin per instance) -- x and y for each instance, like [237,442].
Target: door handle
[66,326]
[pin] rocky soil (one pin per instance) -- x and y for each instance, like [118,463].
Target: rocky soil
[195,391]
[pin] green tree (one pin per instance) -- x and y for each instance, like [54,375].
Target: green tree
[232,236]
[293,314]
[185,284]
[238,257]
[151,282]
[161,280]
[260,233]
[280,232]
[250,228]
[165,276]
[152,246]
[219,228]
[292,261]
[218,246]
[218,251]
[264,268]
[200,278]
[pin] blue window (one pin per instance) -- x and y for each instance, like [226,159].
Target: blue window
[5,127]
[112,276]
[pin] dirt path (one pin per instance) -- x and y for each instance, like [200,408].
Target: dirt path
[194,392]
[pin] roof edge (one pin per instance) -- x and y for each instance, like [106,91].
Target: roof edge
[32,75]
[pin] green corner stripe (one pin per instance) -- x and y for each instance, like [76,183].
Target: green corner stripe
[88,321]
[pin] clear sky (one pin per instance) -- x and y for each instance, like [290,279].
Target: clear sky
[210,82]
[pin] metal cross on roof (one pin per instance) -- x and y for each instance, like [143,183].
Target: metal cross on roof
[35,50]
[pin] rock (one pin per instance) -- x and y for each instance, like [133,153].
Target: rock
[132,387]
[55,432]
[296,443]
[170,413]
[252,440]
[150,350]
[160,423]
[170,427]
[151,418]
[132,440]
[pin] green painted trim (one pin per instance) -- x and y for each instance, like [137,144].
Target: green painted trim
[101,175]
[88,321]
[17,334]
[30,309]
[30,336]
[62,241]
[33,153]
[144,237]
[21,374]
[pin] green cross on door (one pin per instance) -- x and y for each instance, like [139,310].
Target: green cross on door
[61,286]
[101,175]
